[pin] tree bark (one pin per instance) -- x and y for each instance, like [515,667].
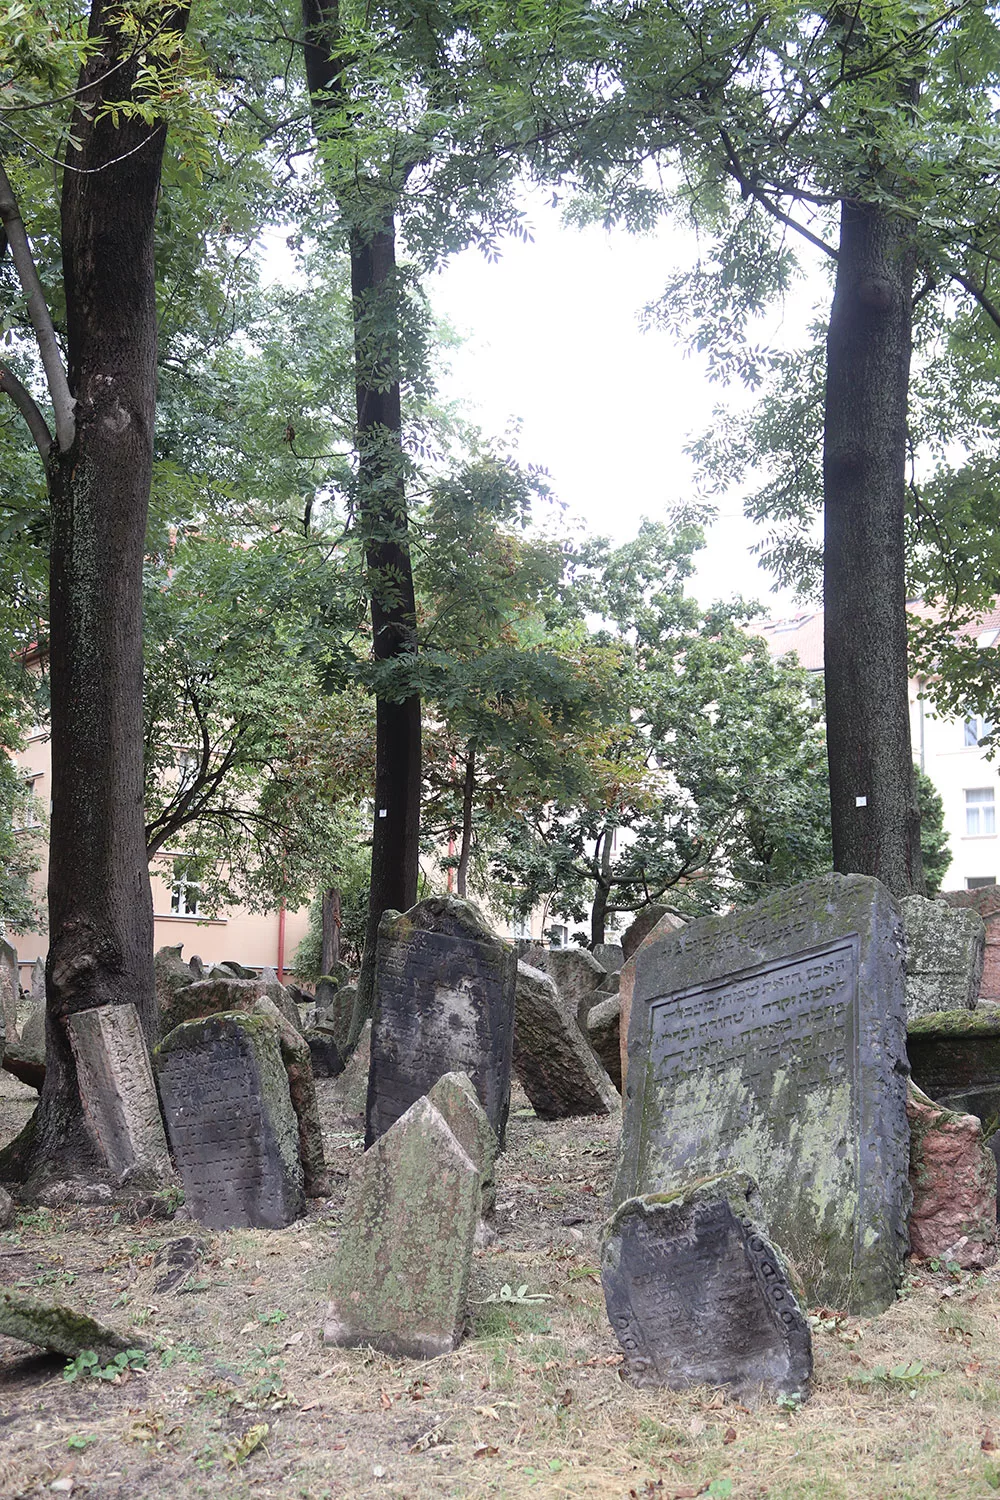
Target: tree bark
[330,951]
[100,908]
[468,800]
[382,515]
[874,813]
[602,891]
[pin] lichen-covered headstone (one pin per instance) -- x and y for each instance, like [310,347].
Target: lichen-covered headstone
[954,1179]
[48,1325]
[399,1277]
[773,1042]
[955,1059]
[118,1093]
[10,993]
[667,922]
[944,956]
[456,1100]
[444,1003]
[697,1295]
[230,1120]
[555,1064]
[577,976]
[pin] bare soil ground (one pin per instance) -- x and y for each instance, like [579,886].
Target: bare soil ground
[241,1398]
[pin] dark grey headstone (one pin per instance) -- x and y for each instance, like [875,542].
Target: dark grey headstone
[230,1121]
[555,1064]
[696,1295]
[602,1033]
[773,1042]
[335,1005]
[955,1057]
[610,956]
[326,1059]
[444,1003]
[577,974]
[118,1092]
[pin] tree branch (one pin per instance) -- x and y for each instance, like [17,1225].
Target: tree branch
[988,306]
[26,405]
[751,189]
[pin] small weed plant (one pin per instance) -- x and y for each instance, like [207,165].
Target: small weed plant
[86,1365]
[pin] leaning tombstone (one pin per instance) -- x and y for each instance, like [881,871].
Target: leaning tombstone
[773,1042]
[444,1003]
[399,1277]
[578,977]
[555,1064]
[602,1033]
[456,1100]
[610,956]
[118,1093]
[38,982]
[945,947]
[697,1295]
[350,1090]
[230,1120]
[10,992]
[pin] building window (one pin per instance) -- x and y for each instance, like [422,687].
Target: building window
[980,812]
[187,769]
[27,815]
[976,729]
[184,893]
[976,882]
[558,935]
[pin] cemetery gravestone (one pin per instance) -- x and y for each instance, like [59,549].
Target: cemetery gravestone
[955,1058]
[610,956]
[773,1042]
[945,947]
[10,993]
[118,1092]
[399,1279]
[555,1064]
[444,1002]
[456,1100]
[697,1296]
[231,1124]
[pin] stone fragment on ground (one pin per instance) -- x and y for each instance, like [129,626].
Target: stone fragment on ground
[955,1058]
[444,1002]
[697,1295]
[773,1041]
[399,1277]
[953,1175]
[455,1098]
[178,1258]
[554,1062]
[118,1094]
[603,1035]
[49,1325]
[945,947]
[230,1120]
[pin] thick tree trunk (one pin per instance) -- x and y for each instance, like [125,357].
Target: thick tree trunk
[468,802]
[382,514]
[875,819]
[100,909]
[330,950]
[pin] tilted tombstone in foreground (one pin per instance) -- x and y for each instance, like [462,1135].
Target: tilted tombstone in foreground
[399,1277]
[697,1296]
[118,1092]
[444,1003]
[232,1128]
[773,1042]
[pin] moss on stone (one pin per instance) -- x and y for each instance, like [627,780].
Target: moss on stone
[973,1023]
[52,1326]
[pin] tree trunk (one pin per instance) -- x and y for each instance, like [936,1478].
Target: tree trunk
[100,909]
[468,798]
[874,814]
[382,516]
[602,891]
[330,951]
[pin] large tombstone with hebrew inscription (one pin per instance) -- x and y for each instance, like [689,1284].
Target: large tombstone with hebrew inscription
[444,1003]
[118,1092]
[773,1042]
[232,1127]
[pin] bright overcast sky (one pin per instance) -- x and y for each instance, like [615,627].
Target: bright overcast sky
[553,338]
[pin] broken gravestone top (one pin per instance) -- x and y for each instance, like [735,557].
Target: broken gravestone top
[955,1058]
[772,1041]
[954,1179]
[229,1114]
[945,947]
[554,1062]
[444,1002]
[697,1296]
[118,1093]
[399,1277]
[48,1325]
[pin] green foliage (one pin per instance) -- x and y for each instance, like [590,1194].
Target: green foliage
[86,1365]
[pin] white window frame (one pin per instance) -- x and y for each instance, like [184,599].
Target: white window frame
[980,812]
[31,814]
[180,891]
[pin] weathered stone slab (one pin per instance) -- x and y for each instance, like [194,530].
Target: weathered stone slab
[335,1004]
[602,1033]
[351,1087]
[326,1059]
[455,1098]
[38,982]
[6,1209]
[230,1120]
[10,993]
[400,1275]
[944,956]
[696,1295]
[772,1042]
[954,1180]
[553,1060]
[626,980]
[610,956]
[642,924]
[578,976]
[118,1092]
[955,1058]
[49,1325]
[444,1003]
[986,901]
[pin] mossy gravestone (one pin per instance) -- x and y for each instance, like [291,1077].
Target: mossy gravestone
[697,1296]
[399,1279]
[773,1042]
[118,1092]
[444,1002]
[955,1057]
[230,1120]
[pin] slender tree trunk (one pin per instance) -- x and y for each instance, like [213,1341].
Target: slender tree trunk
[874,813]
[602,892]
[468,800]
[100,909]
[382,513]
[330,952]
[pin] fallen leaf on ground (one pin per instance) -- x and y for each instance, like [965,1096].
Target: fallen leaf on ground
[730,1435]
[988,1443]
[485,1450]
